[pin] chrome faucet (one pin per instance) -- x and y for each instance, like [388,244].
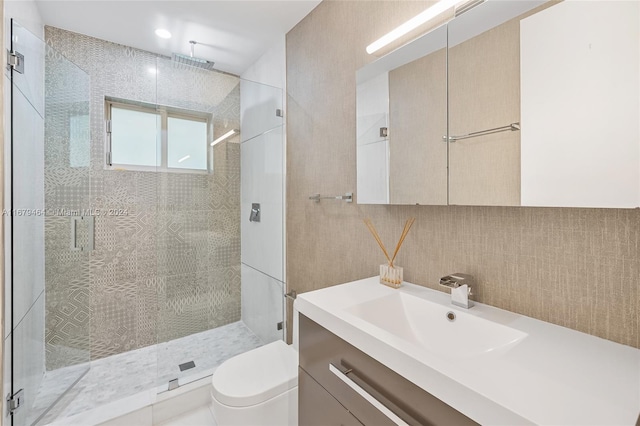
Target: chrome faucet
[460,285]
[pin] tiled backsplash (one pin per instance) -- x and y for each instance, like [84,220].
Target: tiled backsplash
[170,266]
[578,268]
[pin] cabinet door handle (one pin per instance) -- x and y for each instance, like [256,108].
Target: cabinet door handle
[366,395]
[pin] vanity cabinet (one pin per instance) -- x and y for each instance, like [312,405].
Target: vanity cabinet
[317,407]
[339,384]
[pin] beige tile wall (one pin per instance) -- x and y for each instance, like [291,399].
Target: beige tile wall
[574,267]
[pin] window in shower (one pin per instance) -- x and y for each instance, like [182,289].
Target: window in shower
[150,138]
[186,143]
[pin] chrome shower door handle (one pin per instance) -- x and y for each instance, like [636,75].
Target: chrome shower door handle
[90,221]
[74,233]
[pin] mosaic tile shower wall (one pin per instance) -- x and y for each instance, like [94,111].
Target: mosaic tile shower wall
[170,266]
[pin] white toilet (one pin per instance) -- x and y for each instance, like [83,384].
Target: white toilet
[259,387]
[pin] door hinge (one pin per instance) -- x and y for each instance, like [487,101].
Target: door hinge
[15,61]
[279,113]
[108,126]
[15,401]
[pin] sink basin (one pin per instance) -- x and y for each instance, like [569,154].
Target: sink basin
[427,324]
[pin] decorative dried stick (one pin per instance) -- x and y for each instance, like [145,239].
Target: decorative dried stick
[407,226]
[373,231]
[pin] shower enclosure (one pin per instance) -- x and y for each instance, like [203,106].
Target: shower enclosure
[123,264]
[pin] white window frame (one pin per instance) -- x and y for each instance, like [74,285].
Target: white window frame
[164,112]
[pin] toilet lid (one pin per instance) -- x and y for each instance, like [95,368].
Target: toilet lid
[256,376]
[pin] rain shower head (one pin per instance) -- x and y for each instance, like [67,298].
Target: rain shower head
[191,60]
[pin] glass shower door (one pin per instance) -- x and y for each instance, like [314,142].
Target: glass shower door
[262,164]
[48,233]
[199,255]
[198,235]
[220,274]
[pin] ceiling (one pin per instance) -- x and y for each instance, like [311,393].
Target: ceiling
[232,33]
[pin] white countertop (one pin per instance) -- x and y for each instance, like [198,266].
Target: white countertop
[553,376]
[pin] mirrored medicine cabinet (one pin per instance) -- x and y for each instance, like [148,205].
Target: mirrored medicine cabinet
[512,103]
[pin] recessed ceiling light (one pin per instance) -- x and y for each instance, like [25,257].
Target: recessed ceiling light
[152,70]
[162,33]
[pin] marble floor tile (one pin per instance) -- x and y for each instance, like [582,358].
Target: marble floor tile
[115,377]
[54,386]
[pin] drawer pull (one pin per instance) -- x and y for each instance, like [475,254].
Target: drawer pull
[366,395]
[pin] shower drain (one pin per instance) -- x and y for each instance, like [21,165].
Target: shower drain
[187,365]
